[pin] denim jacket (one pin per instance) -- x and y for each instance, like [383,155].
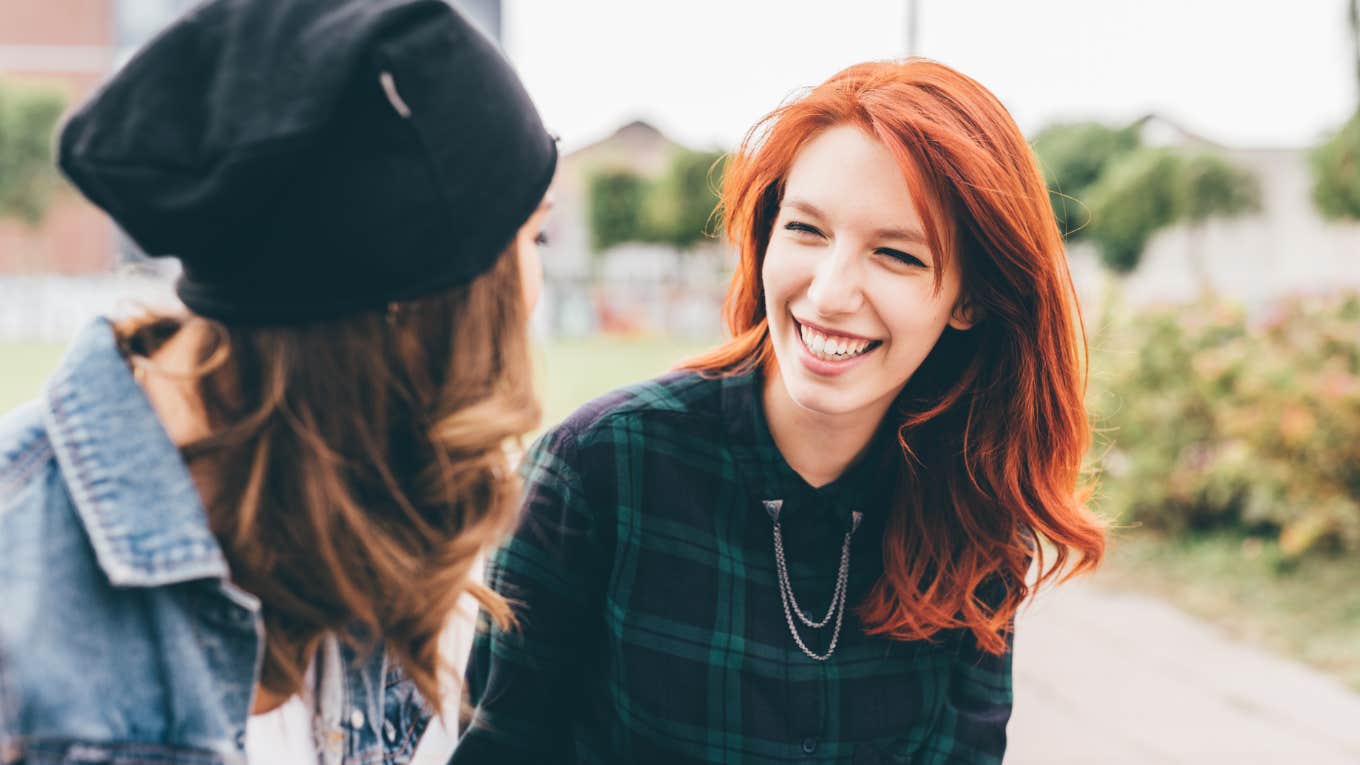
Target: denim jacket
[122,638]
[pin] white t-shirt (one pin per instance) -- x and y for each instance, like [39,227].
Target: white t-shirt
[455,643]
[283,736]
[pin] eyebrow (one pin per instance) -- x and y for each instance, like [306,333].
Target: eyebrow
[910,236]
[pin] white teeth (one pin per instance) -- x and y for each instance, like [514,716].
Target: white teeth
[832,348]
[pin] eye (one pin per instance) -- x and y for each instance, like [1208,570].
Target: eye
[902,257]
[802,228]
[541,239]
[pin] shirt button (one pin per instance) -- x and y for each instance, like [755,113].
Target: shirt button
[356,719]
[809,745]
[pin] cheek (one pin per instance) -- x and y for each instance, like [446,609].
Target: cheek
[780,274]
[913,314]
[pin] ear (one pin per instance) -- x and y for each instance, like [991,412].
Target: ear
[966,315]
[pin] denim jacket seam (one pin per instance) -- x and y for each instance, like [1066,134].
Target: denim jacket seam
[79,483]
[80,486]
[25,464]
[410,738]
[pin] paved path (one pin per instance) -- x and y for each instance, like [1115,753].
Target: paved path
[1110,678]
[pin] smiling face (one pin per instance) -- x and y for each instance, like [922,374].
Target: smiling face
[849,279]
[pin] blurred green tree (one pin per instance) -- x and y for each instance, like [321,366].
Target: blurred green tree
[1152,188]
[28,117]
[1134,197]
[1336,161]
[680,203]
[616,200]
[1207,187]
[1336,172]
[1073,156]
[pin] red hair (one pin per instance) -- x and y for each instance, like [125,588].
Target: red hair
[992,426]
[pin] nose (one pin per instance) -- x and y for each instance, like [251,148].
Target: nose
[835,288]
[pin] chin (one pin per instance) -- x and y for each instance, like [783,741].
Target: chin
[825,398]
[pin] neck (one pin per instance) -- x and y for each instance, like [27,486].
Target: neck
[819,447]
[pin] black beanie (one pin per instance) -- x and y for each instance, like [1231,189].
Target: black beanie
[306,159]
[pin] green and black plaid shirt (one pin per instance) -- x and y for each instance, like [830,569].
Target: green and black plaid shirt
[651,627]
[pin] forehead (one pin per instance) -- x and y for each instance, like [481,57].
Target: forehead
[852,177]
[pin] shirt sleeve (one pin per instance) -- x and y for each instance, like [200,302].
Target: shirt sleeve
[524,683]
[971,729]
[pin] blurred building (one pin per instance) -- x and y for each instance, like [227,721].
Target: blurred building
[631,287]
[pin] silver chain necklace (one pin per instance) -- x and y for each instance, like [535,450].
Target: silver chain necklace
[791,607]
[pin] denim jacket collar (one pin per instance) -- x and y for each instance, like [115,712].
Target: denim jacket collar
[129,485]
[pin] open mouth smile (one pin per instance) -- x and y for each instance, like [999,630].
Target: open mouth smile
[828,346]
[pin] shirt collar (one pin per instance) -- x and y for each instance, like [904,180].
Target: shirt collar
[131,489]
[865,487]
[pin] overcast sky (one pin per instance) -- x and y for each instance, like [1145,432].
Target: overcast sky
[1240,72]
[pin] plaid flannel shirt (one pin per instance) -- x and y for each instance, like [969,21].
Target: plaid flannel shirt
[651,627]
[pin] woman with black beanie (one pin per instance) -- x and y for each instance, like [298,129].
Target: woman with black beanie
[261,511]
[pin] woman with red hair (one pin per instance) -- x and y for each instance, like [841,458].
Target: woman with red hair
[895,429]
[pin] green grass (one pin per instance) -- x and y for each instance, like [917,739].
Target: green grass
[574,372]
[1308,609]
[23,367]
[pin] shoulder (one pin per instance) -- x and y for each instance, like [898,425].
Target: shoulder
[38,519]
[683,396]
[675,412]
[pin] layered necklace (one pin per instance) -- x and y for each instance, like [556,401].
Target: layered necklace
[791,608]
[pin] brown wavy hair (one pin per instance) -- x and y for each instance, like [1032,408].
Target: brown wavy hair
[356,467]
[992,426]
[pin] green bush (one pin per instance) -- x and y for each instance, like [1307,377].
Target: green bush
[616,203]
[674,209]
[28,117]
[1136,196]
[1073,156]
[1210,186]
[1149,189]
[680,203]
[1336,172]
[1209,420]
